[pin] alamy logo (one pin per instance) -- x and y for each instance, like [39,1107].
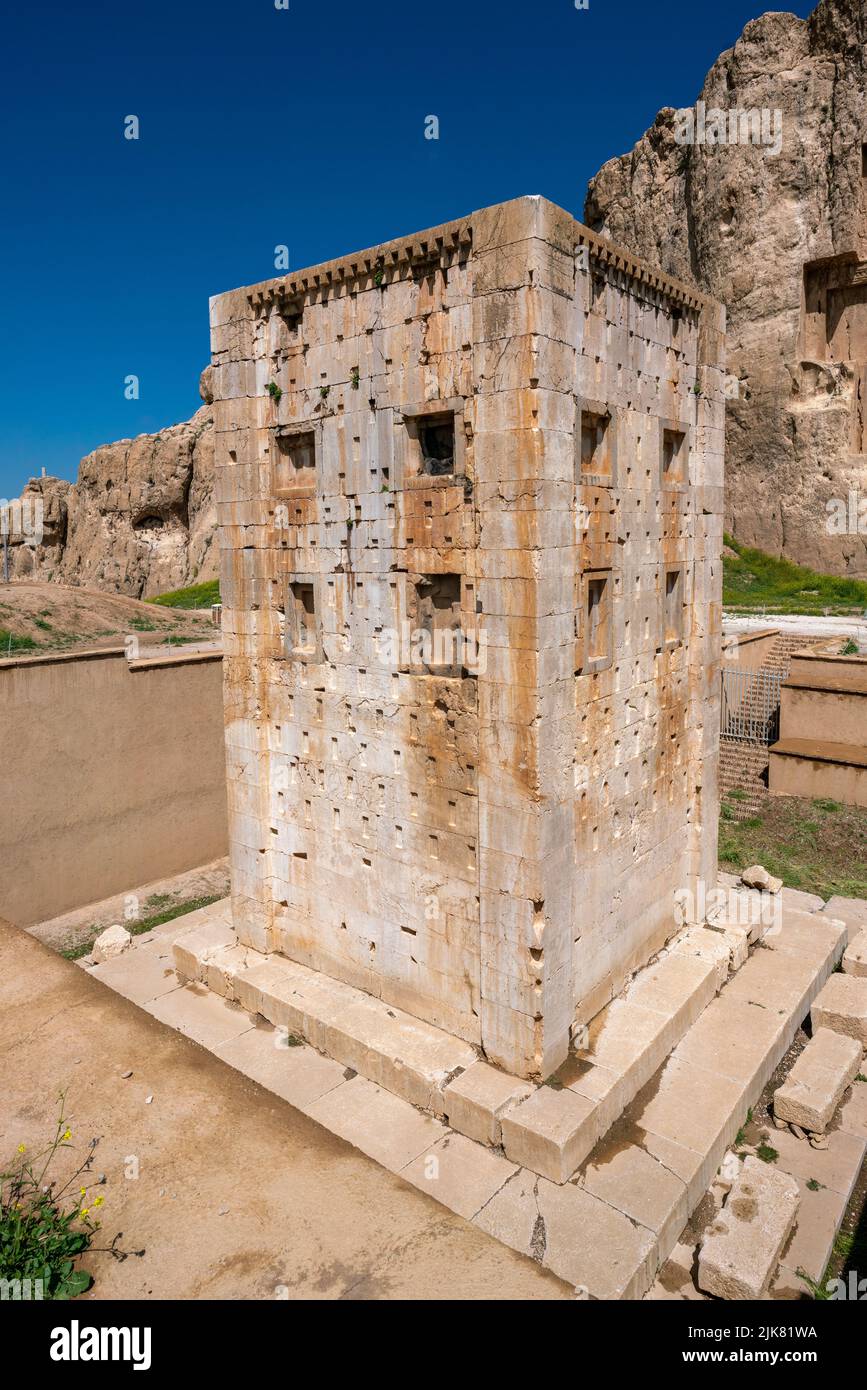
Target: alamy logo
[77,1343]
[18,1290]
[700,126]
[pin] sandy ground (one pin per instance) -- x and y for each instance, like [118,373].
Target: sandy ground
[60,618]
[239,1196]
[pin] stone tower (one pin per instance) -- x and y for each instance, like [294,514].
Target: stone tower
[470,498]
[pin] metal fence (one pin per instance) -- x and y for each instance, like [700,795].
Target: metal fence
[751,706]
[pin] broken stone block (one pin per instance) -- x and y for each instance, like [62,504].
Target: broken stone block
[476,1101]
[855,957]
[192,950]
[811,1092]
[842,1006]
[757,877]
[112,942]
[742,1248]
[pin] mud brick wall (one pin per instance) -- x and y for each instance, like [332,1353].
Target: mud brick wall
[502,426]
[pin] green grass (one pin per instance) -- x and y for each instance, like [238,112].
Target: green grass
[754,581]
[767,1153]
[194,596]
[817,846]
[137,928]
[12,642]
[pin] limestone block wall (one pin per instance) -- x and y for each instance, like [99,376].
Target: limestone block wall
[505,429]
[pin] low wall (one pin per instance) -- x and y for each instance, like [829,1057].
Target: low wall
[822,749]
[113,775]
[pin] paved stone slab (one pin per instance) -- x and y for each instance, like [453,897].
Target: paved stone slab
[852,1118]
[635,1183]
[459,1173]
[476,1100]
[819,939]
[512,1215]
[805,902]
[855,955]
[299,1074]
[593,1246]
[139,975]
[820,1212]
[200,1015]
[378,1123]
[740,1252]
[842,1006]
[812,1091]
[852,911]
[835,1167]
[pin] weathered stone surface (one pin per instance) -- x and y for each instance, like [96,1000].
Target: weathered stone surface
[842,1006]
[740,1252]
[476,1101]
[551,1132]
[855,955]
[112,942]
[852,911]
[756,876]
[139,520]
[757,226]
[446,445]
[811,1092]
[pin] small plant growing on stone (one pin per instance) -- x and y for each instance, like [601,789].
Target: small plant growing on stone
[323,391]
[819,1291]
[355,378]
[378,275]
[861,1076]
[814,1185]
[849,648]
[274,391]
[766,1153]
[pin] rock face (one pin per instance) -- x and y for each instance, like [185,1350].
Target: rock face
[139,520]
[781,239]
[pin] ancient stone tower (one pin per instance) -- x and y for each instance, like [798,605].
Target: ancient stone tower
[470,493]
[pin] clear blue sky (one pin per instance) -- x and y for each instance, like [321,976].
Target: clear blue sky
[262,126]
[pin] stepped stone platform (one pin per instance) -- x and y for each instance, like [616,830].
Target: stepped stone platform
[657,1087]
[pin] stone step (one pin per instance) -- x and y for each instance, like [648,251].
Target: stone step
[412,1059]
[842,1006]
[554,1129]
[659,1159]
[855,958]
[741,1251]
[549,1129]
[811,1092]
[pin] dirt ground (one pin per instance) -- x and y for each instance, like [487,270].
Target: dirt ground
[73,932]
[230,1192]
[43,618]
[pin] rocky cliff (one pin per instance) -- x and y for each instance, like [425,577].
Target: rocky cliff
[139,520]
[759,195]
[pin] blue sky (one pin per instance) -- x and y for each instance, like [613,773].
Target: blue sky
[260,127]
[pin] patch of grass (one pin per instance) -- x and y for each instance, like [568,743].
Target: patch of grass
[142,924]
[817,846]
[819,1291]
[843,1244]
[767,1154]
[194,596]
[737,794]
[814,1185]
[142,625]
[11,642]
[741,1136]
[754,580]
[41,623]
[849,648]
[861,1076]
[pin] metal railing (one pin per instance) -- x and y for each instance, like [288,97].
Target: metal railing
[751,706]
